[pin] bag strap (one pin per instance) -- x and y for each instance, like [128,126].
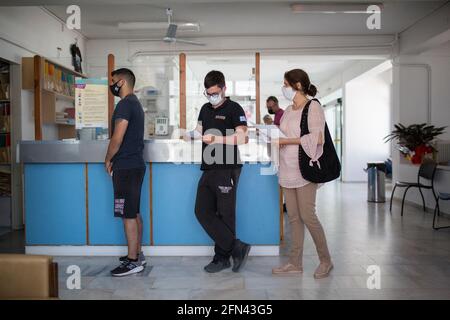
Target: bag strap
[304,120]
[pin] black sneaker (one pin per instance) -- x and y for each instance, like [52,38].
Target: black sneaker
[126,268]
[240,255]
[141,258]
[217,266]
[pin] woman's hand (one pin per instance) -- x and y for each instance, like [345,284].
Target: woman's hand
[320,140]
[285,141]
[277,142]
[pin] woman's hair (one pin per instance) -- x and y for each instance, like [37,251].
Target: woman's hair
[295,76]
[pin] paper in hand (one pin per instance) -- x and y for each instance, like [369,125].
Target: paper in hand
[269,132]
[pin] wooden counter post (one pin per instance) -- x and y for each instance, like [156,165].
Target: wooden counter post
[110,95]
[182,91]
[257,87]
[37,98]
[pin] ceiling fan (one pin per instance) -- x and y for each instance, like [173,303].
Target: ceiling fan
[171,33]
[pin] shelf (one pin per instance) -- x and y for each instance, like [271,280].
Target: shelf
[4,101]
[48,101]
[66,68]
[60,95]
[5,168]
[64,123]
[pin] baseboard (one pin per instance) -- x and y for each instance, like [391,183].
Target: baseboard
[148,250]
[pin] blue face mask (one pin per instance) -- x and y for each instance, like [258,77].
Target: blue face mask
[115,89]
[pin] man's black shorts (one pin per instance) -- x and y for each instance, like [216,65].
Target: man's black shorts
[127,184]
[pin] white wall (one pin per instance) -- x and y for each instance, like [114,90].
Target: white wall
[27,31]
[366,110]
[410,93]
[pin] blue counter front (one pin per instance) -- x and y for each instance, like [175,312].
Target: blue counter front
[71,204]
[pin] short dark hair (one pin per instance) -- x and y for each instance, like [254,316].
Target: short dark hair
[272,98]
[127,74]
[214,78]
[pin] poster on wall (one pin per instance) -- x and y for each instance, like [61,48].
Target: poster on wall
[91,103]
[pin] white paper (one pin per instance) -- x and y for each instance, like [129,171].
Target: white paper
[268,132]
[194,134]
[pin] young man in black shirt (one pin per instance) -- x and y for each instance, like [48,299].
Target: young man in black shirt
[124,161]
[223,126]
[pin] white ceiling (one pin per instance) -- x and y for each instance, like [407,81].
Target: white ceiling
[99,18]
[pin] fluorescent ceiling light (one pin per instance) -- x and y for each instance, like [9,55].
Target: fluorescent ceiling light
[333,7]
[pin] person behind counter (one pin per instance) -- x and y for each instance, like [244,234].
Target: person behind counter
[300,194]
[268,120]
[124,161]
[274,108]
[222,126]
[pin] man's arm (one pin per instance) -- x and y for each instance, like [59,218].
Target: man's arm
[120,128]
[239,137]
[195,134]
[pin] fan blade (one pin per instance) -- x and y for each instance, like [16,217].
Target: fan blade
[184,26]
[190,42]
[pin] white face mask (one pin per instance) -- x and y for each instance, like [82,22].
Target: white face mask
[215,99]
[288,93]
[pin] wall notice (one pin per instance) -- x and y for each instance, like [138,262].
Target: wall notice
[91,103]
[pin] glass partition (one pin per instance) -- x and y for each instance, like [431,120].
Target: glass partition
[321,69]
[157,87]
[239,71]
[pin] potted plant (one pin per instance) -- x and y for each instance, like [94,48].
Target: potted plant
[415,141]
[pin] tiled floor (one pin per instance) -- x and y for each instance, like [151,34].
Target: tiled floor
[414,261]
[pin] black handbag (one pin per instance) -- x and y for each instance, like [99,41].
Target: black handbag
[330,167]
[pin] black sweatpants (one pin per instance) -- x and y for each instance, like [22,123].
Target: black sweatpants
[215,208]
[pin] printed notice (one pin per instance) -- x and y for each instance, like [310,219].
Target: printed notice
[91,103]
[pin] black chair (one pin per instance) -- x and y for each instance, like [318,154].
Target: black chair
[427,171]
[441,196]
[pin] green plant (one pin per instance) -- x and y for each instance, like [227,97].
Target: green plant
[414,135]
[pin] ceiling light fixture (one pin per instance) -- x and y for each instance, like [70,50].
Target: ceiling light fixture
[333,7]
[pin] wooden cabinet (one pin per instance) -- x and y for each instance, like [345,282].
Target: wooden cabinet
[54,94]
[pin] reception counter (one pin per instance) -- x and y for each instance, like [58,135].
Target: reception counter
[68,200]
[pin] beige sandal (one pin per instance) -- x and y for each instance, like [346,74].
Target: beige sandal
[323,270]
[287,269]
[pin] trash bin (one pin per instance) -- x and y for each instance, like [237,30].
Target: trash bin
[376,188]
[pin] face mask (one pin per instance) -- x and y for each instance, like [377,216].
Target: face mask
[115,89]
[214,99]
[288,93]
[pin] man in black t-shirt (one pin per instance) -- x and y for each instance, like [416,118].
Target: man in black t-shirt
[223,126]
[124,161]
